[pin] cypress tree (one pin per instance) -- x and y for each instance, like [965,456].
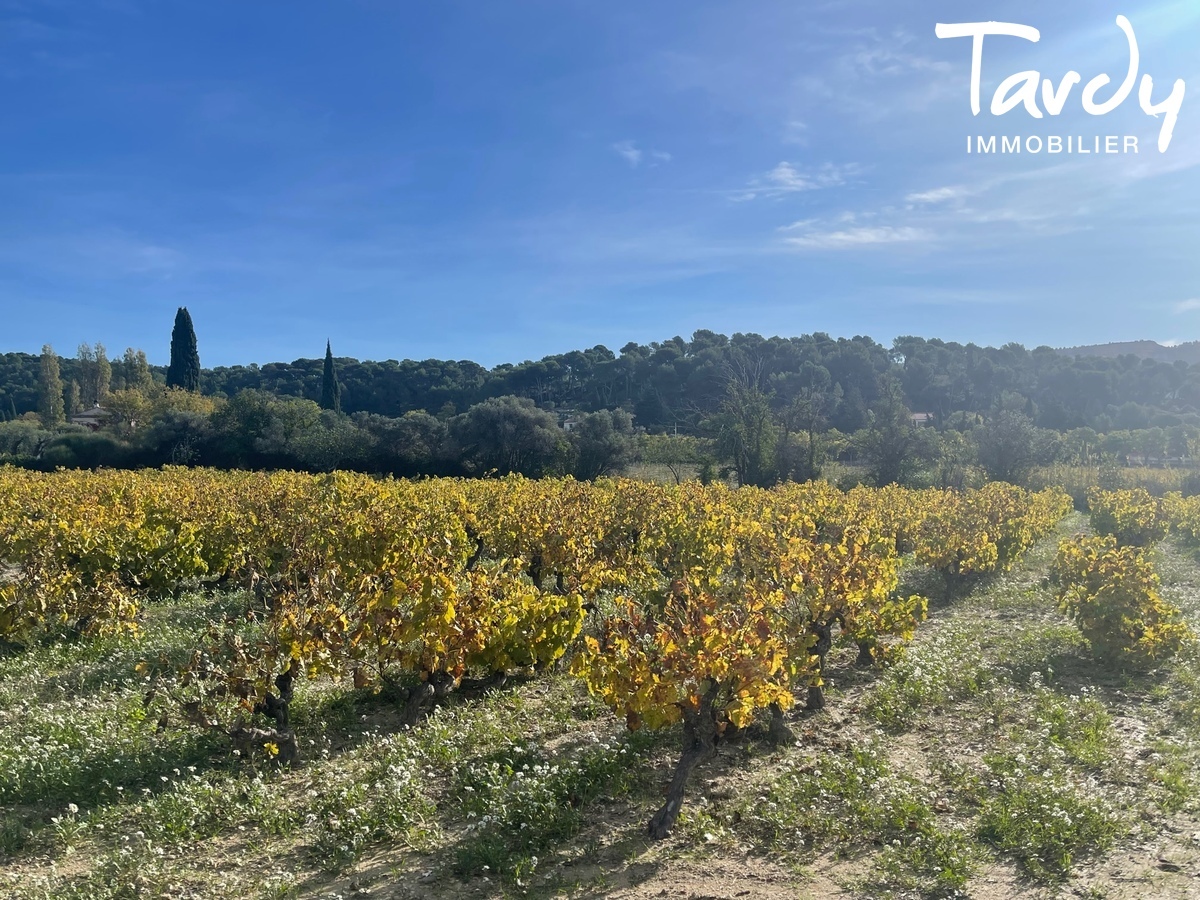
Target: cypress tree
[50,390]
[331,391]
[184,370]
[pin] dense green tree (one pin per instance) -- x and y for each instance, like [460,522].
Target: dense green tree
[72,402]
[894,448]
[184,370]
[126,408]
[288,419]
[333,442]
[103,374]
[50,390]
[416,443]
[331,390]
[22,441]
[956,460]
[1007,446]
[178,437]
[1119,445]
[1180,440]
[93,375]
[1081,447]
[508,434]
[745,430]
[604,444]
[246,430]
[135,371]
[801,450]
[87,451]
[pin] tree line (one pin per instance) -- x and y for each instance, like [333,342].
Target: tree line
[673,385]
[763,410]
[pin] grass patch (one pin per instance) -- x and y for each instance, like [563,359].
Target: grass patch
[523,802]
[853,802]
[1041,818]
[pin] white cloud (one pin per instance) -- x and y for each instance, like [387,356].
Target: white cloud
[632,154]
[787,179]
[629,152]
[798,225]
[1184,306]
[849,238]
[938,195]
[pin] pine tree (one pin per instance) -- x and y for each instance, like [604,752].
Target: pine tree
[50,390]
[184,370]
[331,391]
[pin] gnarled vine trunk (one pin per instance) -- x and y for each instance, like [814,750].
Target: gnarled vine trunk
[816,693]
[866,654]
[438,686]
[699,745]
[248,739]
[778,732]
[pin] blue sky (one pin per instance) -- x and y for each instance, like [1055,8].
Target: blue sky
[501,181]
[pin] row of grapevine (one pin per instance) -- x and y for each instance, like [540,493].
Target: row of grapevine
[1107,582]
[1112,593]
[1136,518]
[966,534]
[711,605]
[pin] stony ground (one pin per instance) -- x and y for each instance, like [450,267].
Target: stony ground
[995,760]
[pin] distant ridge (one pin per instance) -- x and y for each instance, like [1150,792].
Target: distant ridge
[1189,352]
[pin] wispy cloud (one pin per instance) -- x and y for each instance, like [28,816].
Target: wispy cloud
[866,236]
[939,195]
[632,154]
[1184,306]
[787,179]
[799,225]
[887,60]
[629,152]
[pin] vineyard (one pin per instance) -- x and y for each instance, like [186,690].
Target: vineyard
[273,674]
